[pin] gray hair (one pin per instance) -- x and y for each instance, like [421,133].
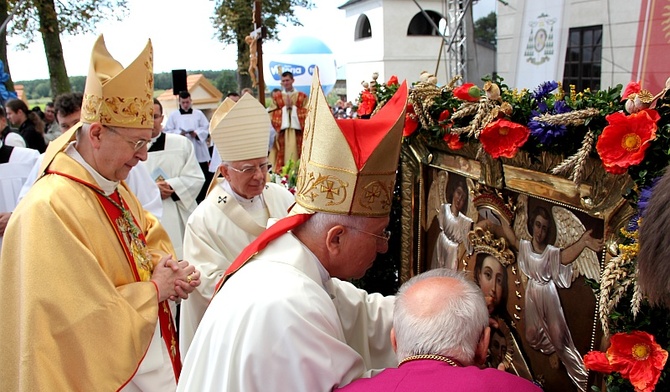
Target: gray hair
[453,331]
[321,222]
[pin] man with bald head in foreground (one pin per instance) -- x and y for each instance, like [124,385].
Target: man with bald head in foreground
[440,335]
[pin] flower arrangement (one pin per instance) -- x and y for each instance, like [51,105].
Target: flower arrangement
[627,132]
[288,176]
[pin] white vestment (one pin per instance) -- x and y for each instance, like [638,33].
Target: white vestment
[194,121]
[282,324]
[177,165]
[12,176]
[217,231]
[138,181]
[454,232]
[546,328]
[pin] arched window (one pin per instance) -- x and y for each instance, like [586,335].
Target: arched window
[363,28]
[419,25]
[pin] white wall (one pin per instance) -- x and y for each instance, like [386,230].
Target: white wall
[619,22]
[390,51]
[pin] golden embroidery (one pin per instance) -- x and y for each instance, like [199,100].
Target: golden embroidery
[332,188]
[376,194]
[126,111]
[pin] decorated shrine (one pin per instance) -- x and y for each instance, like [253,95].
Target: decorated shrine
[499,182]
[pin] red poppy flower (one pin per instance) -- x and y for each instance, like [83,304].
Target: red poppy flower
[393,81]
[444,116]
[636,356]
[411,123]
[468,92]
[453,141]
[367,105]
[626,138]
[502,138]
[631,88]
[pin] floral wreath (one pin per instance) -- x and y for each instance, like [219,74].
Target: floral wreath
[629,132]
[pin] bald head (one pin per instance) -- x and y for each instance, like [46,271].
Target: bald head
[427,297]
[440,312]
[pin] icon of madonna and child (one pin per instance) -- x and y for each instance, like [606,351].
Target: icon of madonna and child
[520,261]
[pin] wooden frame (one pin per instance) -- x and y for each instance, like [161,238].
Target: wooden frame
[509,191]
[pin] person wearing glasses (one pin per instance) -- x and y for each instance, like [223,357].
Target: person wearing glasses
[174,168]
[237,207]
[88,273]
[284,317]
[68,113]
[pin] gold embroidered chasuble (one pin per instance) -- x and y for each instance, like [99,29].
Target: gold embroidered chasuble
[74,316]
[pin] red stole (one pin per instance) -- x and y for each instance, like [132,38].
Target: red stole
[129,242]
[281,227]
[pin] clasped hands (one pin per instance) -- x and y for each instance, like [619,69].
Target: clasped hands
[165,189]
[174,279]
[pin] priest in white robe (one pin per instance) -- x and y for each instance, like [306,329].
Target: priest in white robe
[173,167]
[15,165]
[238,205]
[284,318]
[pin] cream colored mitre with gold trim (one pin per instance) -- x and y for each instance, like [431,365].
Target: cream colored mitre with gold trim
[349,166]
[241,130]
[116,96]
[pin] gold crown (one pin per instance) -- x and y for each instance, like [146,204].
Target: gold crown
[349,167]
[485,242]
[116,96]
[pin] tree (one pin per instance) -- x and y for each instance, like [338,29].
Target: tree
[4,8]
[485,29]
[233,20]
[53,18]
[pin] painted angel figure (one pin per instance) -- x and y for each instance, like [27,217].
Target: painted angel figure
[548,267]
[454,216]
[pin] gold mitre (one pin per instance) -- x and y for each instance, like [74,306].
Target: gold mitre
[349,166]
[241,130]
[116,96]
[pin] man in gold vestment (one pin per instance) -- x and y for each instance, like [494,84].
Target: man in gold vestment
[86,272]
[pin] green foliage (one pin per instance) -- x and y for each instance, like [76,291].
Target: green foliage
[74,16]
[485,29]
[223,80]
[233,19]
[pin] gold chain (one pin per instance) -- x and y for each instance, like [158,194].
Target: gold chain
[436,357]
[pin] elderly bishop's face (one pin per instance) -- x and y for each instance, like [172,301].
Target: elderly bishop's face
[117,150]
[248,177]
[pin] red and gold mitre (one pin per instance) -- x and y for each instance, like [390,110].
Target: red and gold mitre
[348,166]
[116,96]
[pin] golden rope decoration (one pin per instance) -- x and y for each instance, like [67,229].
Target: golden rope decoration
[618,275]
[577,161]
[574,118]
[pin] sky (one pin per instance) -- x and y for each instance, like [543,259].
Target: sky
[182,37]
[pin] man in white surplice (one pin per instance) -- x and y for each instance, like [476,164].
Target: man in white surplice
[15,165]
[237,207]
[174,168]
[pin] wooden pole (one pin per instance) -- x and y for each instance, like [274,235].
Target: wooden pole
[258,28]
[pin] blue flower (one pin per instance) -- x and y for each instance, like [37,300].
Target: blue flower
[642,203]
[561,107]
[544,89]
[543,132]
[645,195]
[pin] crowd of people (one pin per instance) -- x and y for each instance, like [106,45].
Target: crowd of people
[162,268]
